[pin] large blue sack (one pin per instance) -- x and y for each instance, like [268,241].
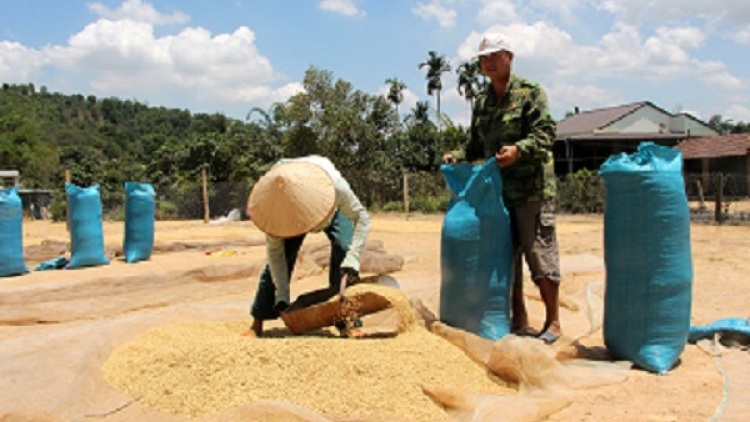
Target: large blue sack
[140,209]
[11,233]
[87,237]
[647,257]
[476,254]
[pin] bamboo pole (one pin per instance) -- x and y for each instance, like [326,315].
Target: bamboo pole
[406,194]
[700,195]
[206,212]
[67,201]
[718,214]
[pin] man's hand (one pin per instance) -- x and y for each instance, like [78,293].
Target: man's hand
[507,156]
[281,307]
[448,158]
[351,275]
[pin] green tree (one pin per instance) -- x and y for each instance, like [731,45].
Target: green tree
[470,80]
[720,125]
[396,91]
[741,127]
[333,119]
[436,66]
[419,150]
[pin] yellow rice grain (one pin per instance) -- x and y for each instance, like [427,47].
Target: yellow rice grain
[194,369]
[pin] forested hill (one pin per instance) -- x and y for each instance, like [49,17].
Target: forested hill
[104,140]
[109,141]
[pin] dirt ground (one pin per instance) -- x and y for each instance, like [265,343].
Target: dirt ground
[691,392]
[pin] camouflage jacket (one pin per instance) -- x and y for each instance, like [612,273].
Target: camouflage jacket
[521,117]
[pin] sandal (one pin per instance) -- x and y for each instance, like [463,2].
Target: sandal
[548,336]
[525,332]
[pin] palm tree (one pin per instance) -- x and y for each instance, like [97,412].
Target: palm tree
[470,82]
[420,114]
[436,66]
[722,126]
[395,94]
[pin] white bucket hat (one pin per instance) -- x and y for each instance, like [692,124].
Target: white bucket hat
[492,43]
[292,199]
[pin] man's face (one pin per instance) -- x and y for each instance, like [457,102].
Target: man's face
[497,64]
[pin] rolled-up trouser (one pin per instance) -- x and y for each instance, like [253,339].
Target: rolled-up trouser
[535,239]
[339,232]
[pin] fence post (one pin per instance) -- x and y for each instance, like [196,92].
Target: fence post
[206,212]
[67,202]
[718,214]
[406,194]
[700,195]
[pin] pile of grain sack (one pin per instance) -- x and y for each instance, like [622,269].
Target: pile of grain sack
[430,371]
[86,234]
[646,246]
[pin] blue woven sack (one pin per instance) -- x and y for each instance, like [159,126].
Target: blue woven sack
[725,326]
[476,255]
[87,238]
[647,257]
[11,233]
[140,208]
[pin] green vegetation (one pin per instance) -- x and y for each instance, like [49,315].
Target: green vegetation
[728,126]
[109,141]
[581,192]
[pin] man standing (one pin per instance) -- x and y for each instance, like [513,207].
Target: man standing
[296,197]
[511,121]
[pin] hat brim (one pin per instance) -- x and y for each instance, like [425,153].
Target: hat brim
[292,199]
[489,51]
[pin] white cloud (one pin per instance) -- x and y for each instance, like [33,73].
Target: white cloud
[124,58]
[545,52]
[469,47]
[723,80]
[445,16]
[683,36]
[451,100]
[740,36]
[665,50]
[565,96]
[738,113]
[120,55]
[536,42]
[139,12]
[497,11]
[18,64]
[344,7]
[639,11]
[564,8]
[410,101]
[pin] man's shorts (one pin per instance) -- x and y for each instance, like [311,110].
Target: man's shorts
[535,238]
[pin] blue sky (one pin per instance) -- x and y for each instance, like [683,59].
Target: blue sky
[229,56]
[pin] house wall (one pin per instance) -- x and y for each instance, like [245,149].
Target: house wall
[644,120]
[682,123]
[9,178]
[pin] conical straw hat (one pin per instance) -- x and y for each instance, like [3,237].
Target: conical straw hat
[292,199]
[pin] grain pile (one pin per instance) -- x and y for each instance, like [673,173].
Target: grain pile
[194,369]
[396,299]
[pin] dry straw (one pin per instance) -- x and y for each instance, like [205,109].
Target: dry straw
[195,369]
